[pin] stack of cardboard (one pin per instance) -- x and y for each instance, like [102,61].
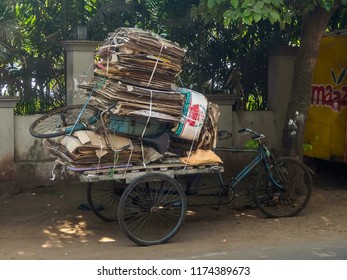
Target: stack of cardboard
[134,87]
[89,149]
[135,56]
[129,99]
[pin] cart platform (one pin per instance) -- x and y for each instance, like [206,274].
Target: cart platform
[129,173]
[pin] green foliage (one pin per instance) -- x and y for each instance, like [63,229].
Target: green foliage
[8,32]
[263,23]
[222,37]
[255,102]
[339,19]
[252,144]
[32,63]
[307,147]
[252,11]
[249,11]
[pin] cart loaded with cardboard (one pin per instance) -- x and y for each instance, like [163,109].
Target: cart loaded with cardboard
[136,133]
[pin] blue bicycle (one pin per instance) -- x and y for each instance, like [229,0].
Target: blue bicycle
[283,185]
[153,207]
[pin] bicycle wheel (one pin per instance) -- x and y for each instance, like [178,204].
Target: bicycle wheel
[60,121]
[103,198]
[293,195]
[152,209]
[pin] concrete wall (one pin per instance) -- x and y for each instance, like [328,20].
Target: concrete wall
[7,172]
[33,165]
[26,147]
[79,67]
[260,121]
[25,162]
[280,77]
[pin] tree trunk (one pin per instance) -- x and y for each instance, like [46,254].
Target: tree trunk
[314,25]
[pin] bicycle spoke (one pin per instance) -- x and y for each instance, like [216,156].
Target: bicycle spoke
[103,198]
[60,121]
[275,201]
[152,209]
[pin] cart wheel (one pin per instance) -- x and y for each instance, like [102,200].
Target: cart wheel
[152,209]
[61,121]
[103,198]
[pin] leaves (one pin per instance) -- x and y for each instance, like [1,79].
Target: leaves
[251,144]
[251,11]
[326,4]
[234,3]
[273,16]
[257,17]
[211,3]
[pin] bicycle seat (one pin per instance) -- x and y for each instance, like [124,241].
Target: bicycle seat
[160,143]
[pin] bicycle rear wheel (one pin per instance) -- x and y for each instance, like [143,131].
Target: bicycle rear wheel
[60,121]
[103,199]
[152,209]
[293,195]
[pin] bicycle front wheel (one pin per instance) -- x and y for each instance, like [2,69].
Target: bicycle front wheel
[60,121]
[284,190]
[152,209]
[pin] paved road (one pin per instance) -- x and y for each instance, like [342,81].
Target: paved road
[45,223]
[335,249]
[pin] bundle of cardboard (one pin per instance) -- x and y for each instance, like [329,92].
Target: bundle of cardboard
[88,149]
[139,57]
[134,87]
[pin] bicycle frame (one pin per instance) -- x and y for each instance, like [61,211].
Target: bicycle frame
[263,154]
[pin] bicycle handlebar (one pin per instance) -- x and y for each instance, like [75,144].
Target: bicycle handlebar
[257,136]
[244,130]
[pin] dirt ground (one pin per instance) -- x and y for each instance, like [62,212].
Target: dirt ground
[46,223]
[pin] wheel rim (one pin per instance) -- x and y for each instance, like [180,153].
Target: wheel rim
[54,124]
[152,211]
[291,200]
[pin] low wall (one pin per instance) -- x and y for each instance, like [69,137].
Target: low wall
[32,160]
[260,121]
[24,161]
[26,147]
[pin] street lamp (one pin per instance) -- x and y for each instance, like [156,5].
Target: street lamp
[79,32]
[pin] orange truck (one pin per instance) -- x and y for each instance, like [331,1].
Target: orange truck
[325,133]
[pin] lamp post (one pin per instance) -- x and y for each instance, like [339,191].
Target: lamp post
[79,32]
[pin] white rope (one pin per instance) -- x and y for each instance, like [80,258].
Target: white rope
[144,129]
[100,153]
[190,150]
[198,124]
[128,163]
[156,63]
[52,178]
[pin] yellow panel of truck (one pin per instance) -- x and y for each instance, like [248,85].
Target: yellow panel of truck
[326,124]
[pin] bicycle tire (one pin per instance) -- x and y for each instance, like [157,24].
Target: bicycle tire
[103,199]
[275,202]
[53,124]
[152,209]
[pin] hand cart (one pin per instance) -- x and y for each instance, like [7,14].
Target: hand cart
[148,202]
